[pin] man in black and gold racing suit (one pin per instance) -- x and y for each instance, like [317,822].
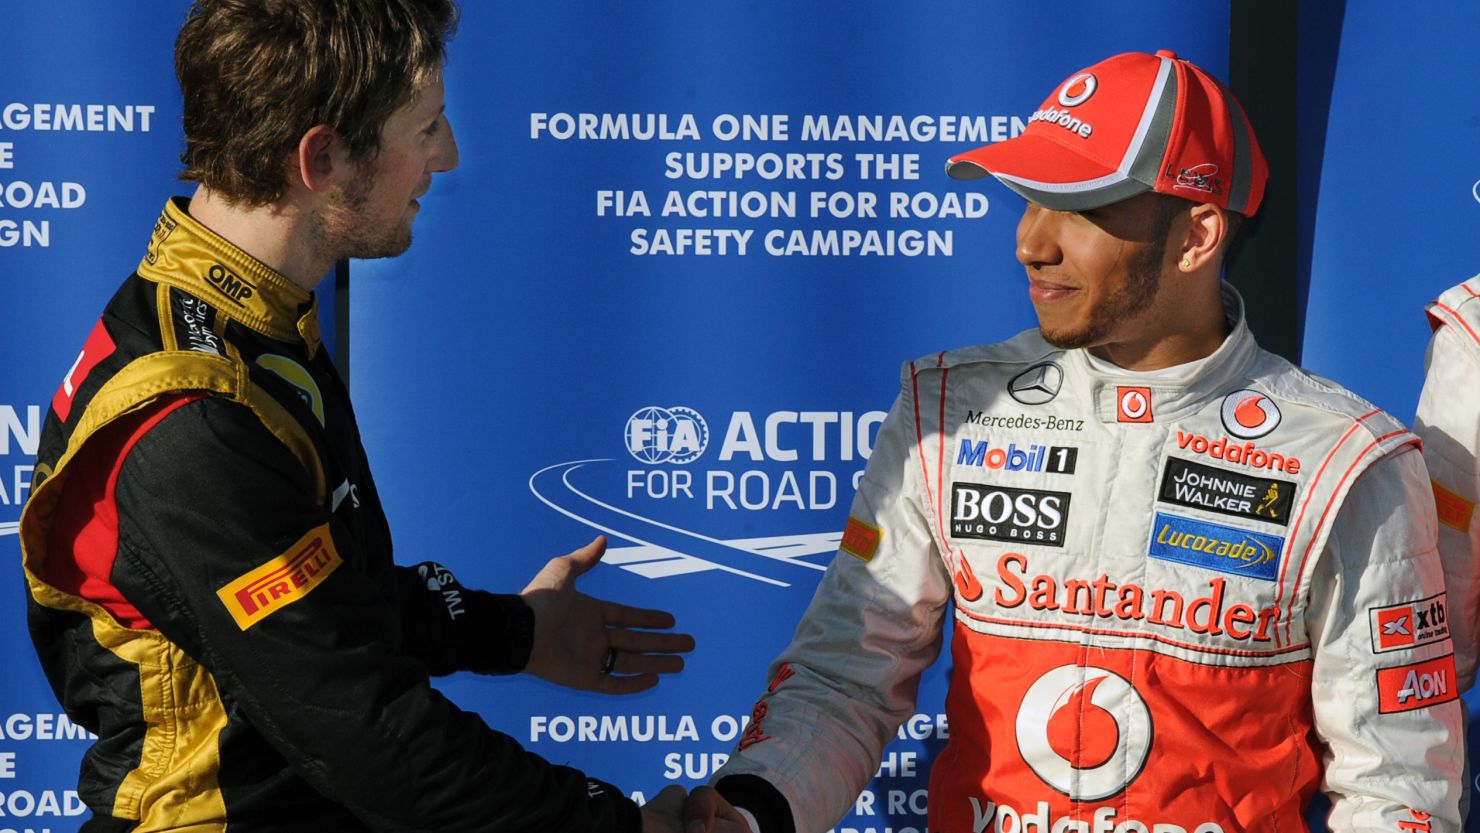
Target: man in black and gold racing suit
[209,566]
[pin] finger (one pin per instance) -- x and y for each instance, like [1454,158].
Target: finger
[625,684]
[700,810]
[646,642]
[647,664]
[586,557]
[626,616]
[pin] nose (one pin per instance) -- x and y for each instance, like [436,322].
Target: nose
[1037,238]
[445,159]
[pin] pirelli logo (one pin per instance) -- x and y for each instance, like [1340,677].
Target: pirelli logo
[283,580]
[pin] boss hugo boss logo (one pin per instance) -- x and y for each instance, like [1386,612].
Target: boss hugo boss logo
[999,513]
[1037,385]
[1249,414]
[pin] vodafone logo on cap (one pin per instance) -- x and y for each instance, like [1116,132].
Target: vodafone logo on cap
[1085,731]
[1078,89]
[1249,414]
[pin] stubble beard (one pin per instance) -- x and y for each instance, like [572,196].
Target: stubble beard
[1143,279]
[345,231]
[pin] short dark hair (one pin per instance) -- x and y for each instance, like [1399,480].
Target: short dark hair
[257,74]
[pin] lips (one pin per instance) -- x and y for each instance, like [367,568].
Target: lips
[1044,291]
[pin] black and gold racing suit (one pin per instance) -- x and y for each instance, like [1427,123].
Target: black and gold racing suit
[272,672]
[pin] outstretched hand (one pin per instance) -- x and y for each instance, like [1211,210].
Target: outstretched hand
[588,643]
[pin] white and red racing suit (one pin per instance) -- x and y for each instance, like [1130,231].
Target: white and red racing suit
[1182,602]
[1449,422]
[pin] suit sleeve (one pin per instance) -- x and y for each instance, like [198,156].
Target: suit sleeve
[848,679]
[1384,693]
[1449,423]
[454,628]
[215,518]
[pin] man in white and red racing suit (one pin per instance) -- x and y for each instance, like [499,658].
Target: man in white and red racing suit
[1188,583]
[1449,423]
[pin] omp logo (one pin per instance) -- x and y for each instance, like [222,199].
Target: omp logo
[231,284]
[1085,731]
[1078,90]
[667,435]
[1417,686]
[1249,414]
[1409,624]
[283,580]
[1475,190]
[999,513]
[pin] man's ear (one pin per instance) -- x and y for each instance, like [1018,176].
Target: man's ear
[1207,228]
[321,157]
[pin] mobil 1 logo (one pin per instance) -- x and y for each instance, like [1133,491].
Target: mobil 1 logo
[1000,513]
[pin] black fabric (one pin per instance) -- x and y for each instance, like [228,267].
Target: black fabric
[757,795]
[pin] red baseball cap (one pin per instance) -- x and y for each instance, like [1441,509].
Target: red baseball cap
[1130,124]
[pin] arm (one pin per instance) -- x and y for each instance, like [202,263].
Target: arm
[840,690]
[1384,691]
[209,497]
[452,628]
[1449,422]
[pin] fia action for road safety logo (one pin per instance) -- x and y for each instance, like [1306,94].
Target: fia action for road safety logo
[1085,731]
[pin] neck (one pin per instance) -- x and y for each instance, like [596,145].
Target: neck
[279,235]
[1189,329]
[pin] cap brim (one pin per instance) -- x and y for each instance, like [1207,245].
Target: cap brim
[1046,172]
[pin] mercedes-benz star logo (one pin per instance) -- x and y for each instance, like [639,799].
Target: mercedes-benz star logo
[1037,385]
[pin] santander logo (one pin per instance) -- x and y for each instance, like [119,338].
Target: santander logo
[1249,414]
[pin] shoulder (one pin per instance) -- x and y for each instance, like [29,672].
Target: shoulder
[1324,407]
[1020,351]
[1456,313]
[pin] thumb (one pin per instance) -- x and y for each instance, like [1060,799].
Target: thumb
[587,557]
